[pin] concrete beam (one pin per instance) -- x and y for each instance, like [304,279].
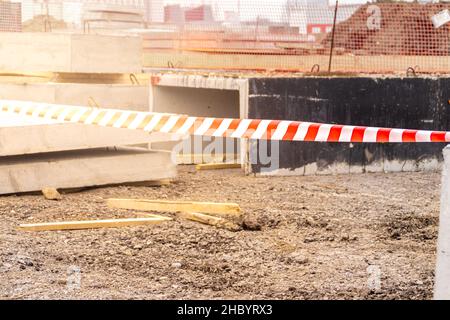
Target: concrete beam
[442,282]
[84,168]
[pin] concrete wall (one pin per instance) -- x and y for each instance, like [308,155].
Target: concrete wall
[203,97]
[196,102]
[442,282]
[408,103]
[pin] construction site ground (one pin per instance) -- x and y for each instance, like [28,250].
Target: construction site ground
[320,237]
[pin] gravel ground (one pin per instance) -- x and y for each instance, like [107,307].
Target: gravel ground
[369,236]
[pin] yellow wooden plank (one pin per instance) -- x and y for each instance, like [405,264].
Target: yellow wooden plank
[151,215]
[210,220]
[91,224]
[51,193]
[218,166]
[343,63]
[153,183]
[175,206]
[64,77]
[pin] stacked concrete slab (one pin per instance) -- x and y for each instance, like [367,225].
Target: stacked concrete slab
[37,153]
[100,16]
[76,53]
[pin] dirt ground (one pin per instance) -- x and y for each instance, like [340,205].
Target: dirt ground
[405,29]
[369,236]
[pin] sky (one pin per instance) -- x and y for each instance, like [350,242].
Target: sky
[274,10]
[250,9]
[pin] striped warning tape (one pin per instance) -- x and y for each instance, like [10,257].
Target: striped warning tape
[216,127]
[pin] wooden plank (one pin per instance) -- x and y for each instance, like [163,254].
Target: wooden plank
[50,193]
[93,79]
[92,224]
[175,206]
[209,220]
[154,183]
[342,63]
[151,215]
[218,166]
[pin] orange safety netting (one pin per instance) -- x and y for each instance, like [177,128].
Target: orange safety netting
[296,35]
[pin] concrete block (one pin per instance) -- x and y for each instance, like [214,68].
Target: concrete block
[83,168]
[106,54]
[442,282]
[51,52]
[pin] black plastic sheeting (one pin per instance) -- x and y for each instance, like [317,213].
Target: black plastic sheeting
[406,103]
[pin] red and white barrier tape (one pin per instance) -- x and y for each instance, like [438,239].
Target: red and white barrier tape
[216,127]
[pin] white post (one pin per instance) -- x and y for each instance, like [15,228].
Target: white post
[442,282]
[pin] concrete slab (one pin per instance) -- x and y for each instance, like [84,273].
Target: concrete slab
[113,96]
[114,8]
[20,135]
[84,168]
[51,52]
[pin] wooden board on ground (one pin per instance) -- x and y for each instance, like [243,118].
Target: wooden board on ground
[83,168]
[151,215]
[93,224]
[156,183]
[52,52]
[175,206]
[210,220]
[218,166]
